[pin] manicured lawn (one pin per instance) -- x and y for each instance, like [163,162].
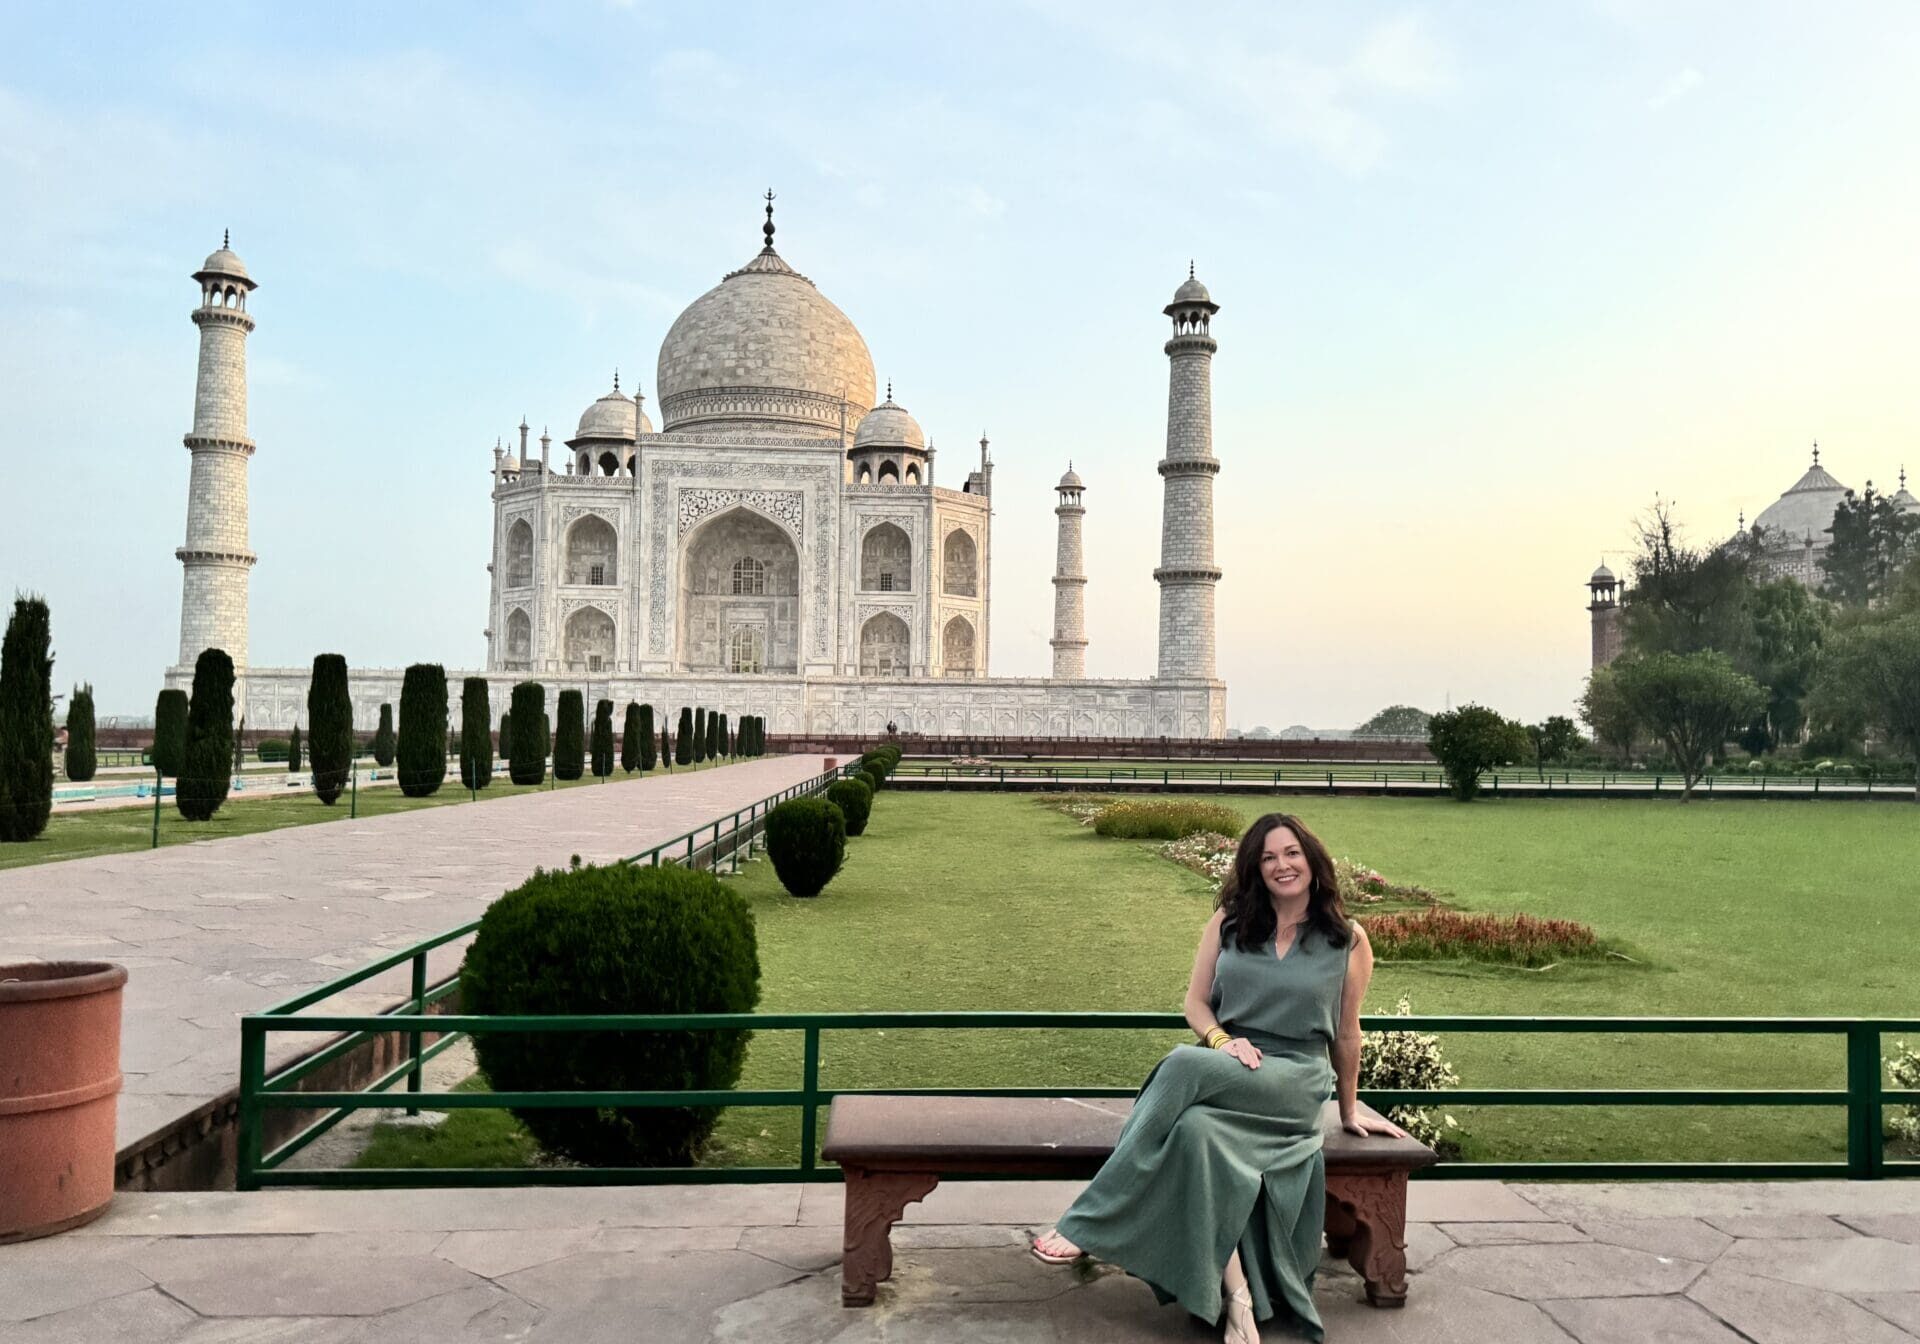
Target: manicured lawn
[82,835]
[978,902]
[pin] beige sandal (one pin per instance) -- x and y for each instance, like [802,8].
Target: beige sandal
[1238,1333]
[1053,1257]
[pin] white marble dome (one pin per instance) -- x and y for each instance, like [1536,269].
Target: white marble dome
[889,425]
[613,417]
[1806,510]
[224,263]
[763,351]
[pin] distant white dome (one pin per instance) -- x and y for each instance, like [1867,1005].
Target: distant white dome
[1601,577]
[1071,481]
[615,416]
[1806,510]
[889,425]
[223,263]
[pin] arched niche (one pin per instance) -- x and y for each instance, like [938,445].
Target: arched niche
[589,641]
[592,549]
[885,646]
[519,641]
[960,565]
[520,555]
[750,548]
[957,648]
[886,560]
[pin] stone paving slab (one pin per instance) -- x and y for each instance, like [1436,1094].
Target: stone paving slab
[216,929]
[733,1264]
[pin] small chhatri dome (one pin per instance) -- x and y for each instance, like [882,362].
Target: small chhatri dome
[888,425]
[1191,290]
[1071,481]
[1806,509]
[1601,577]
[1903,498]
[615,416]
[223,263]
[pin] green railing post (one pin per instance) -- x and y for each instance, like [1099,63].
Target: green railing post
[253,1076]
[810,1085]
[418,1007]
[158,780]
[1866,1143]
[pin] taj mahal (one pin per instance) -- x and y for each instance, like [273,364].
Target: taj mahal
[783,542]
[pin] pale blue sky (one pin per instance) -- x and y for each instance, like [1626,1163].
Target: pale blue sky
[1490,275]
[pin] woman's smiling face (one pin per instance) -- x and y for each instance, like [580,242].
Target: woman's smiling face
[1284,867]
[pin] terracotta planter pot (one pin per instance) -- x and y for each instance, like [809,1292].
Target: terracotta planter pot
[59,1081]
[833,763]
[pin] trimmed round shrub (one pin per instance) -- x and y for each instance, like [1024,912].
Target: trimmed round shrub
[170,732]
[423,730]
[615,939]
[807,839]
[868,776]
[271,750]
[855,799]
[1165,819]
[570,738]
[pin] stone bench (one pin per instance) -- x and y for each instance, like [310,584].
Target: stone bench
[894,1150]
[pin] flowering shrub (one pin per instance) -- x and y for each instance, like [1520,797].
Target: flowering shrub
[1208,853]
[1395,1060]
[1440,935]
[1163,819]
[1904,1070]
[1361,885]
[1082,807]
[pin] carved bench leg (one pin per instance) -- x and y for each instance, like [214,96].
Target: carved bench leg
[1376,1206]
[875,1201]
[1340,1227]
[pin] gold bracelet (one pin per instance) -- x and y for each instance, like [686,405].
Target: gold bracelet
[1218,1038]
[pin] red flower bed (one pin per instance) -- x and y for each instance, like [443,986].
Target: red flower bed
[1440,935]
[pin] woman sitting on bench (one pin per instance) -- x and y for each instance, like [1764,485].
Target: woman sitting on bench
[1216,1190]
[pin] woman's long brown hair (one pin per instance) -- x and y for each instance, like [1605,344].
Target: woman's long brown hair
[1250,923]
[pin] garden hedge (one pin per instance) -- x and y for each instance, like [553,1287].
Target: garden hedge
[855,799]
[615,939]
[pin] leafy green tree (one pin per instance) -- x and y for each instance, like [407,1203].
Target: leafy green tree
[26,721]
[1551,742]
[630,739]
[383,738]
[1871,673]
[1790,626]
[1608,714]
[683,737]
[80,760]
[330,727]
[1684,599]
[476,738]
[1691,703]
[208,773]
[293,750]
[600,746]
[1874,540]
[527,749]
[170,732]
[422,744]
[1471,740]
[1402,721]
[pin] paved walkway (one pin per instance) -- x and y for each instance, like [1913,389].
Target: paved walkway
[1789,1263]
[212,930]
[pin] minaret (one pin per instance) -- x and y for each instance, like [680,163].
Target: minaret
[213,604]
[1605,610]
[1187,573]
[1069,583]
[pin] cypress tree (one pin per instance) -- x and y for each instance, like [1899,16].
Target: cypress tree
[293,750]
[700,739]
[666,749]
[26,721]
[240,746]
[421,748]
[506,724]
[683,738]
[570,737]
[527,749]
[726,736]
[208,774]
[383,737]
[600,748]
[646,738]
[80,755]
[630,739]
[329,727]
[170,732]
[476,742]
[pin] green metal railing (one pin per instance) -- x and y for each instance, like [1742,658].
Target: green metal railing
[1862,1098]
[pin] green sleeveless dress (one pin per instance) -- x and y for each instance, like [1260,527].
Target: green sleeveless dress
[1216,1155]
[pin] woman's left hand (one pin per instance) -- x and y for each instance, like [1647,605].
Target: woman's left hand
[1364,1125]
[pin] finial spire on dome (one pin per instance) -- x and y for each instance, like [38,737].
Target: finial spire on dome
[1190,268]
[767,228]
[889,389]
[226,237]
[616,378]
[1816,452]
